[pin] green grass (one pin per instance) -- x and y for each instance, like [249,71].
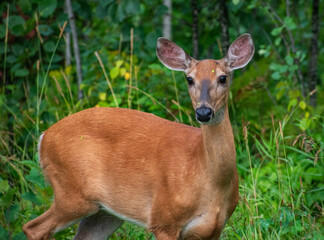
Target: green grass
[281,172]
[278,199]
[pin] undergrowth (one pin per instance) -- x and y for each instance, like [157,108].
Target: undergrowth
[279,160]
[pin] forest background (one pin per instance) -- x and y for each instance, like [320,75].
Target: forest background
[58,58]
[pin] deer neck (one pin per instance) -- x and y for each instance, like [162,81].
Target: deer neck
[219,148]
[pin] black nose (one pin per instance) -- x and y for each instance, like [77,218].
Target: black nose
[204,114]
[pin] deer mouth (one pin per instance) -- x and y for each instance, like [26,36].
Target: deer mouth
[215,117]
[204,114]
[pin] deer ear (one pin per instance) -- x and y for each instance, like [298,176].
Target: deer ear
[240,52]
[172,56]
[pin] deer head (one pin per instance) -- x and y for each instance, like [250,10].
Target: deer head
[208,80]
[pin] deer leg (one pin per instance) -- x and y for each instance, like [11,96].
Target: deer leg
[60,215]
[98,226]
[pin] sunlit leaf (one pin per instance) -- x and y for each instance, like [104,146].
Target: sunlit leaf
[102,96]
[276,76]
[302,105]
[4,186]
[114,72]
[292,103]
[289,22]
[122,71]
[119,63]
[276,31]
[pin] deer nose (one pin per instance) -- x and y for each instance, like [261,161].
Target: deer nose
[204,114]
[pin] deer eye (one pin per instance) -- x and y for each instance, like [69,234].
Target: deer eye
[222,79]
[190,80]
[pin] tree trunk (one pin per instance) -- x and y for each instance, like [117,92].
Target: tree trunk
[67,43]
[224,24]
[167,20]
[75,47]
[195,36]
[312,74]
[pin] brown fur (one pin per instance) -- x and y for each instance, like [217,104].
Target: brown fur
[176,180]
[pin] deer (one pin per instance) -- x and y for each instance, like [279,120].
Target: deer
[110,165]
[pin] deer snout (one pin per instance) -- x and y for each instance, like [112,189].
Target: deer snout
[204,114]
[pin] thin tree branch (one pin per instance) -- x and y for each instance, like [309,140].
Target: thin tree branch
[296,59]
[75,47]
[224,24]
[312,74]
[67,38]
[195,37]
[167,20]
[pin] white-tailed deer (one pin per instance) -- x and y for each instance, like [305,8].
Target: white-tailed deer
[107,165]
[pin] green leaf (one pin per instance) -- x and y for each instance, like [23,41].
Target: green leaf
[3,233]
[11,58]
[4,186]
[276,31]
[114,72]
[31,197]
[102,96]
[292,103]
[30,163]
[155,66]
[25,5]
[19,236]
[150,39]
[122,71]
[119,63]
[45,30]
[289,60]
[132,7]
[236,2]
[280,93]
[17,25]
[12,213]
[304,124]
[35,176]
[103,104]
[46,7]
[6,199]
[289,22]
[120,15]
[262,51]
[276,75]
[21,72]
[49,46]
[302,105]
[279,68]
[277,41]
[17,49]
[105,3]
[2,31]
[101,12]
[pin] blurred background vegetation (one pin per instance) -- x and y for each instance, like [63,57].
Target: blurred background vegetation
[59,57]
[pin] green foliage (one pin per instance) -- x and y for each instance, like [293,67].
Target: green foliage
[280,160]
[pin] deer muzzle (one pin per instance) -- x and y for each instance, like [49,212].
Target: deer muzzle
[204,114]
